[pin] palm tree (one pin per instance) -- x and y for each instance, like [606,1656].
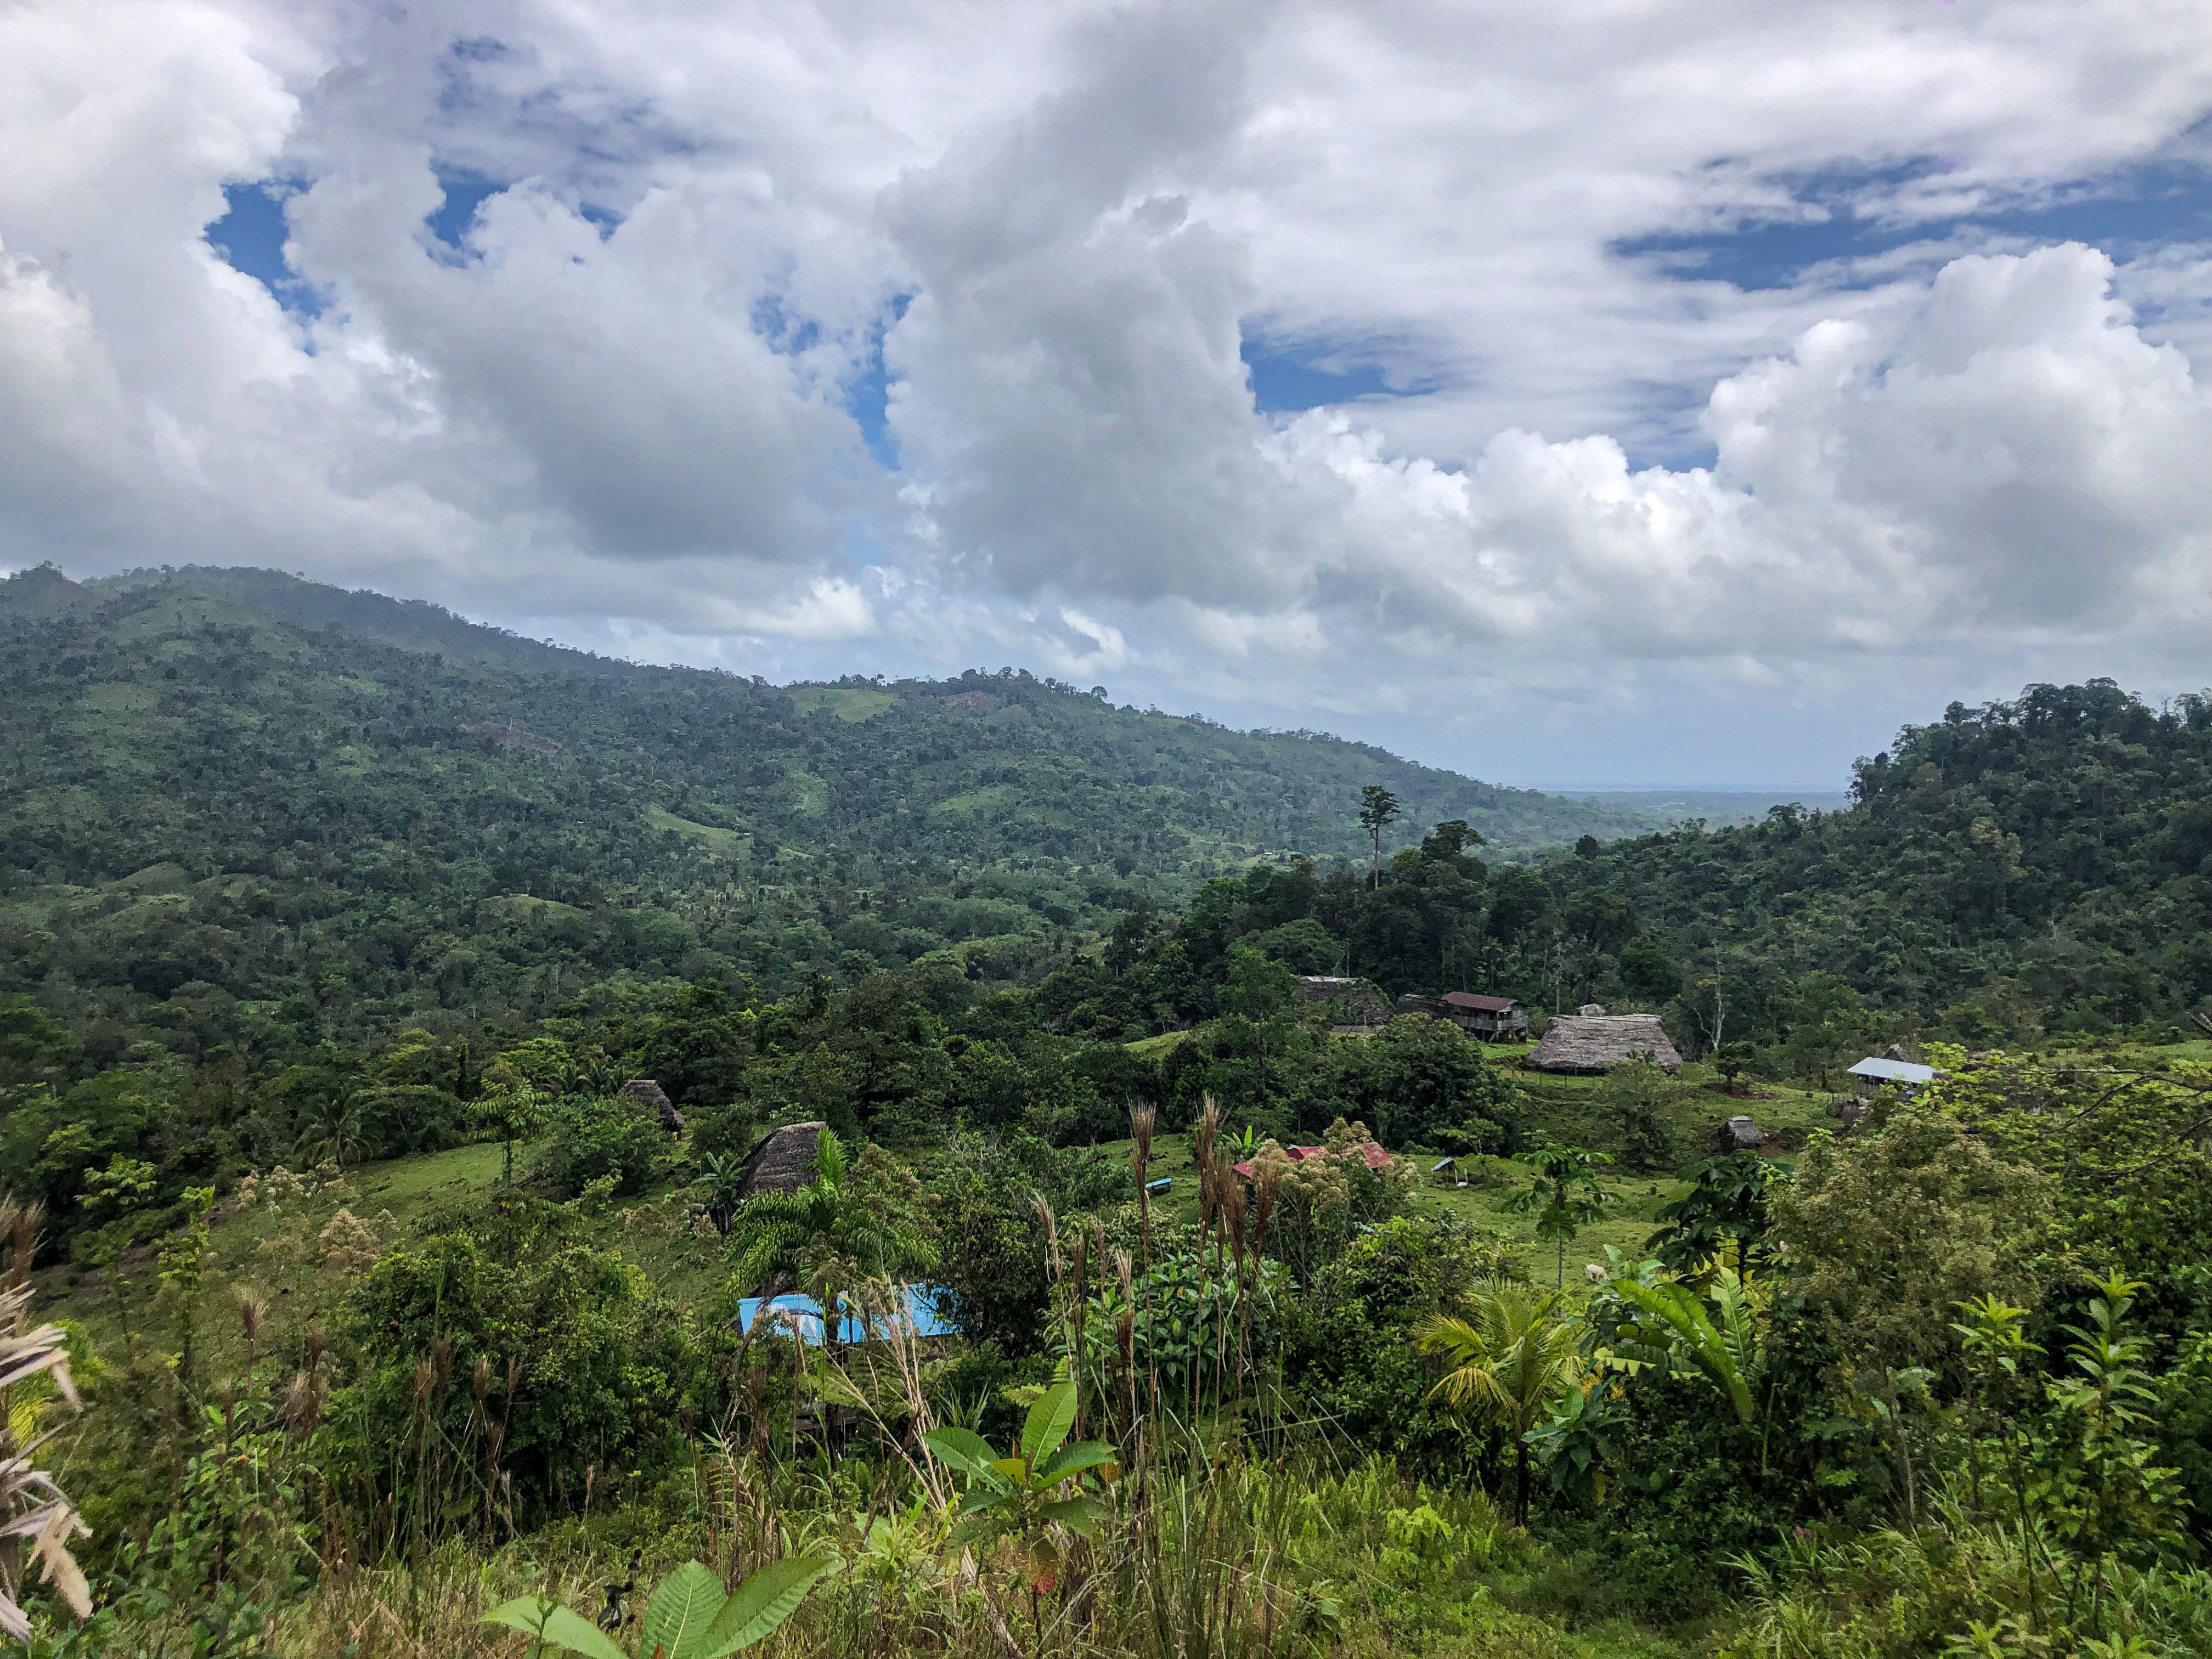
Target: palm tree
[511,1111]
[1510,1357]
[833,1214]
[334,1129]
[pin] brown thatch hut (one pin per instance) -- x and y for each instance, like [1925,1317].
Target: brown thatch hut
[1598,1043]
[650,1095]
[784,1162]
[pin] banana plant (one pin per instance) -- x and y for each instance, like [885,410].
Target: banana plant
[688,1617]
[1024,1496]
[1722,1344]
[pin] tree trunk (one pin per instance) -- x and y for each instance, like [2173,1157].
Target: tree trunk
[1521,1484]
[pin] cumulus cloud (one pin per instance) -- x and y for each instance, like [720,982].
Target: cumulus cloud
[804,338]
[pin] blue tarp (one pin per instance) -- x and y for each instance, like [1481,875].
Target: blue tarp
[805,1313]
[1159,1186]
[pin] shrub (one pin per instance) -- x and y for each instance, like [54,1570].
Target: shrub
[591,1139]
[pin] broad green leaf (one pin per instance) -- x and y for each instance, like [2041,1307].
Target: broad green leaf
[1049,1420]
[763,1602]
[1073,1460]
[1009,1471]
[1078,1515]
[676,1618]
[981,1496]
[964,1449]
[551,1623]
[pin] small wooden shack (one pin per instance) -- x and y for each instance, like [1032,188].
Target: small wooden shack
[1598,1043]
[1494,1019]
[1876,1072]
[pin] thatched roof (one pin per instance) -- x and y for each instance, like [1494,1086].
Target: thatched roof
[1598,1043]
[784,1162]
[655,1098]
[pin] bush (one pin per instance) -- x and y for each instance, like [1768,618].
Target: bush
[589,1141]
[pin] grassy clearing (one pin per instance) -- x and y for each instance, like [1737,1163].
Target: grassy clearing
[524,908]
[996,797]
[119,697]
[850,703]
[713,840]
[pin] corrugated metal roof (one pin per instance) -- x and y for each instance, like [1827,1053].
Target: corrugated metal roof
[805,1313]
[1479,1004]
[1894,1070]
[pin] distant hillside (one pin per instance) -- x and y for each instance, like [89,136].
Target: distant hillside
[326,786]
[409,624]
[2043,863]
[1714,807]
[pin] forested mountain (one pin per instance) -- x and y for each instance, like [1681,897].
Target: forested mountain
[271,790]
[2043,863]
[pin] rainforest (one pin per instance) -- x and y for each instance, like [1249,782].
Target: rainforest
[507,1150]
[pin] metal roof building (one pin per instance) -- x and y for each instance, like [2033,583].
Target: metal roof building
[1875,1070]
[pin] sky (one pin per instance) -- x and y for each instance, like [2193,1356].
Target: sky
[1626,392]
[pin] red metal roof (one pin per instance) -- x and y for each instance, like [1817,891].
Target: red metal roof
[1480,1005]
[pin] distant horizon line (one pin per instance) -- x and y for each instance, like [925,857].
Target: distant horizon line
[1776,790]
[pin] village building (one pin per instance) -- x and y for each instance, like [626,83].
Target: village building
[924,1315]
[1494,1019]
[1875,1072]
[783,1162]
[1594,1041]
[1350,1001]
[655,1098]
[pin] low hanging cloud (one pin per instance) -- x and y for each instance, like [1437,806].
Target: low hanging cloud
[797,339]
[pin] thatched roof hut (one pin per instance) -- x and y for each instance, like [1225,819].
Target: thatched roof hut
[784,1162]
[655,1098]
[1598,1043]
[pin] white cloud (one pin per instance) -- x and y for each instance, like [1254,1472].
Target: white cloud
[623,409]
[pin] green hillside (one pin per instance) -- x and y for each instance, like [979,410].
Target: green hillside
[362,790]
[2040,864]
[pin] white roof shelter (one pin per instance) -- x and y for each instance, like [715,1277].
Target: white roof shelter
[1895,1071]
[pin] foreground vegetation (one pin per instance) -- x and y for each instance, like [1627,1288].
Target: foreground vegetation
[1965,1408]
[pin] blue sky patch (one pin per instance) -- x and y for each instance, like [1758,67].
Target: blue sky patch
[868,395]
[465,192]
[250,237]
[2156,203]
[1286,380]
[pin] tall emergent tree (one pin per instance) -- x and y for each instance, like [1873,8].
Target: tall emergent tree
[1378,810]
